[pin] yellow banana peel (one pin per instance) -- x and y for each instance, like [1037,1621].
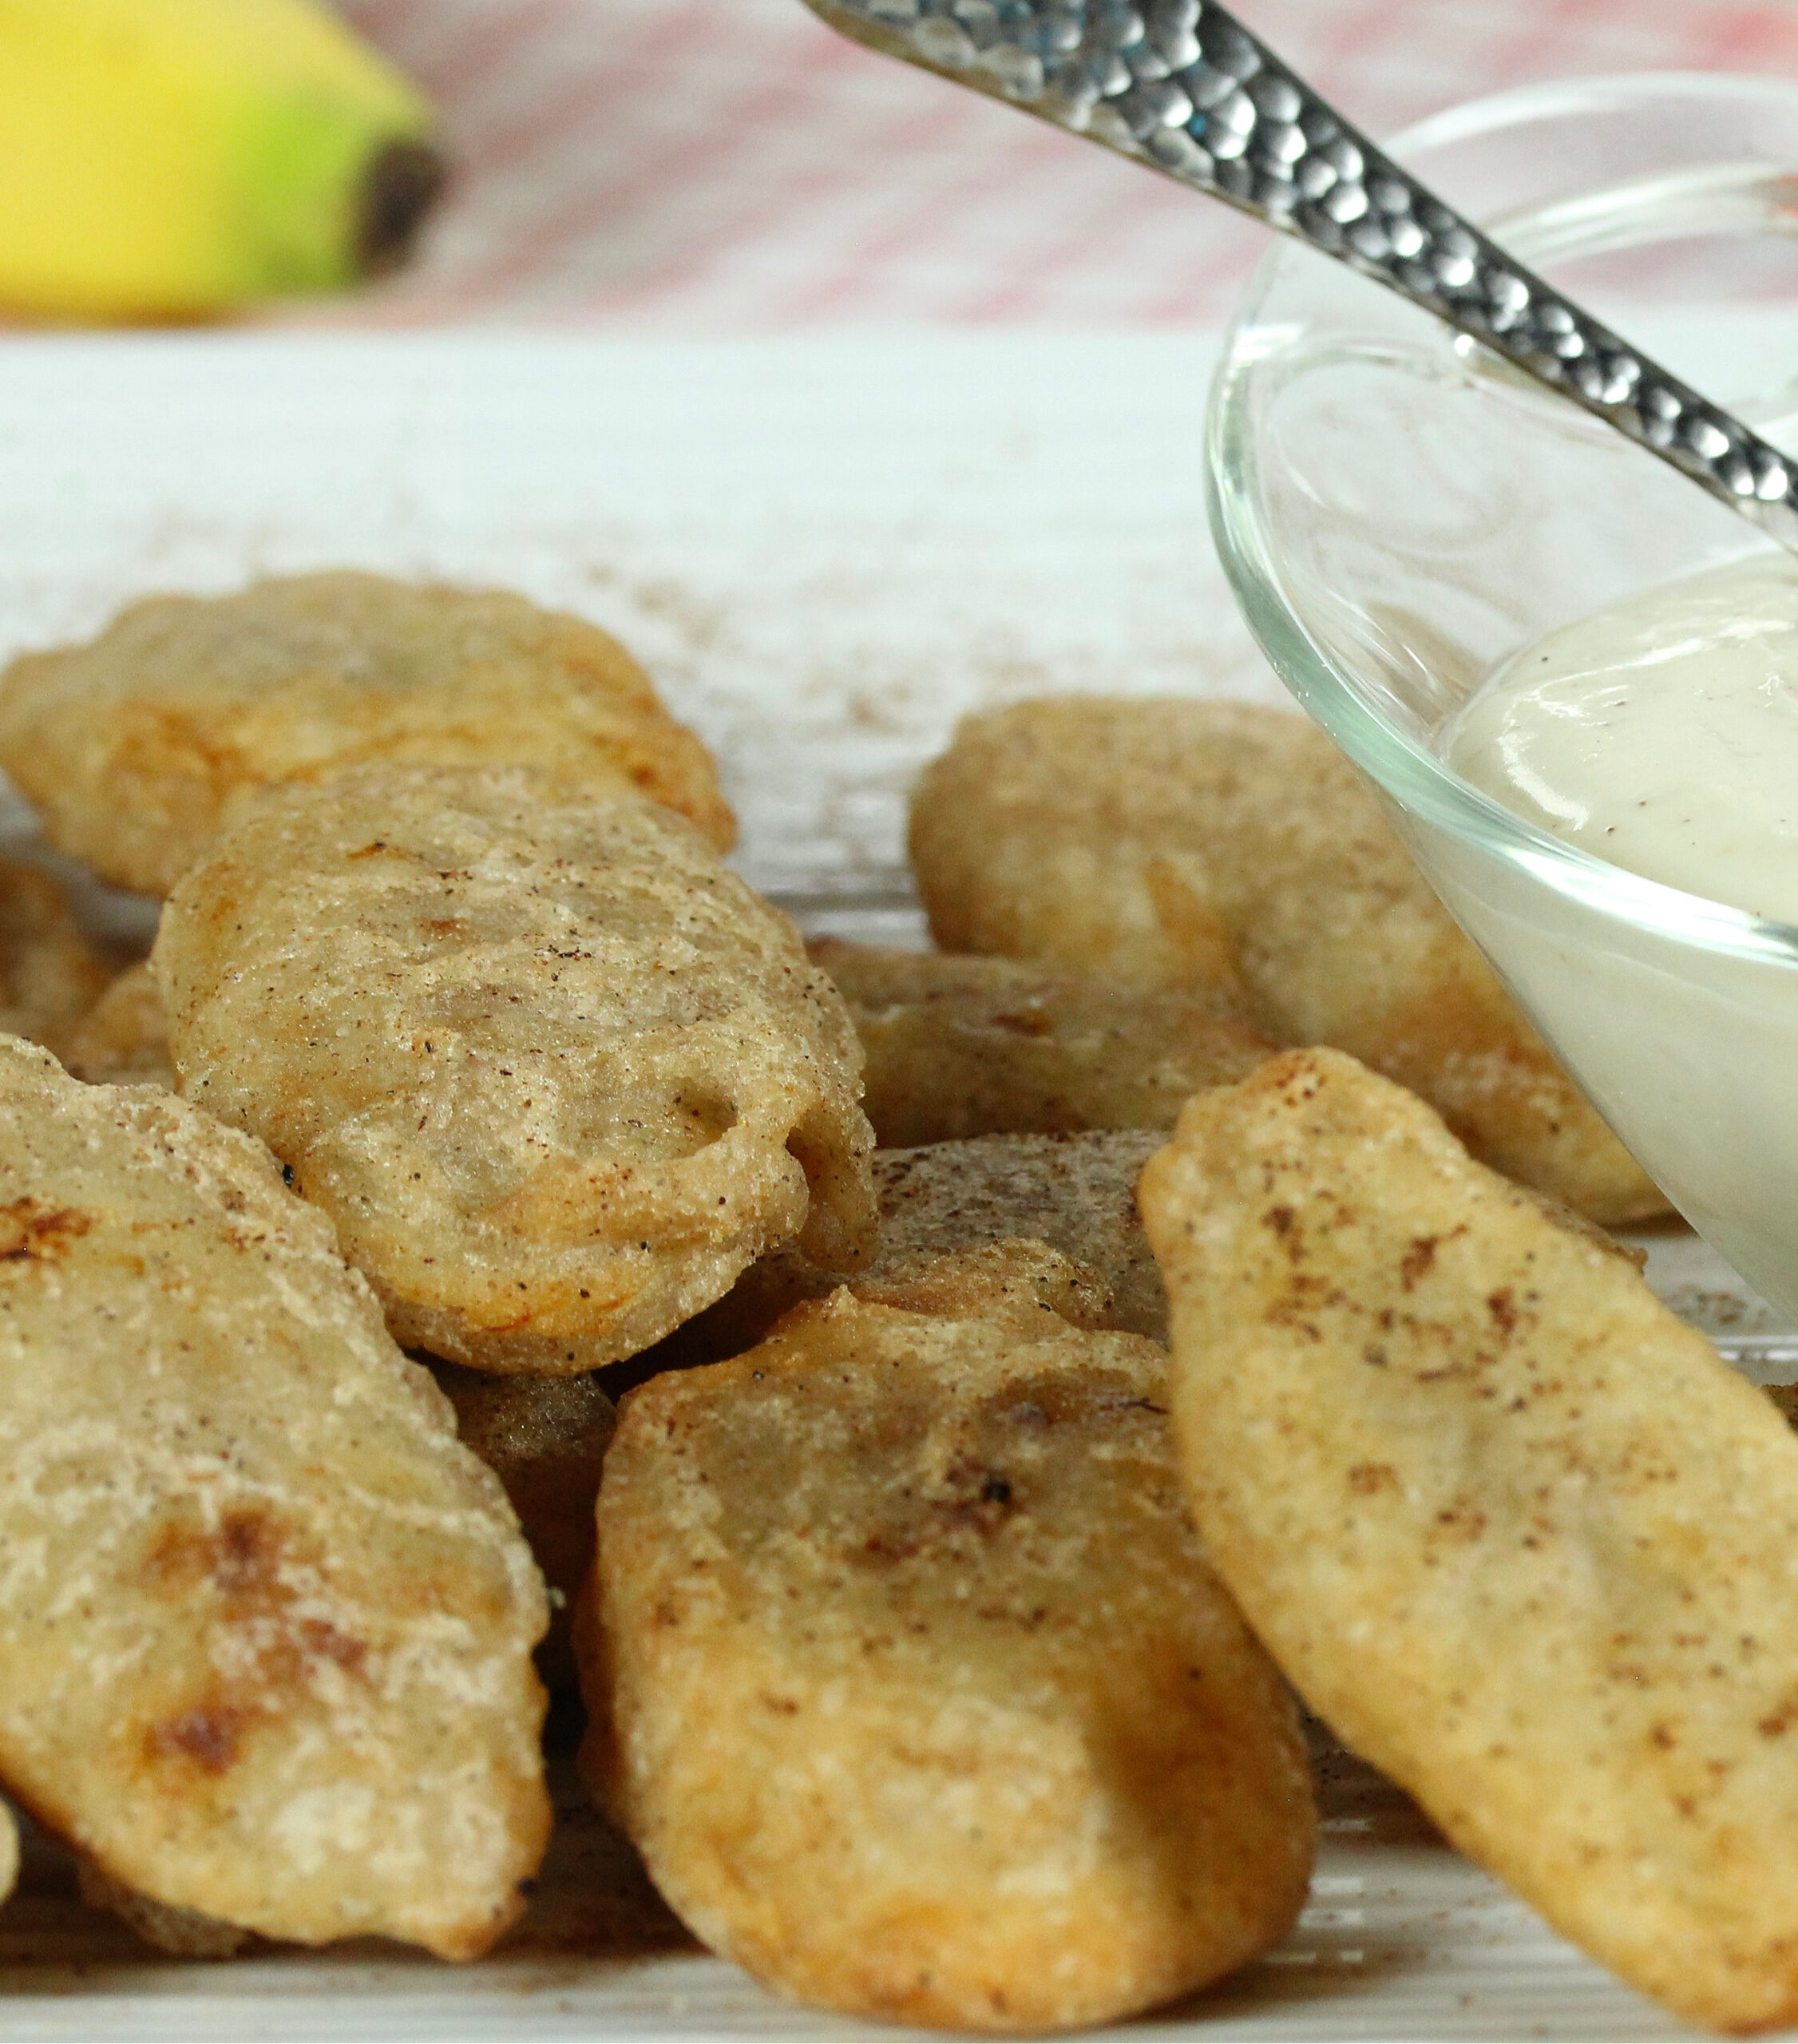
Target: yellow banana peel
[171,159]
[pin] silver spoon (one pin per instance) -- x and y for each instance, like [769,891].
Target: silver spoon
[1183,87]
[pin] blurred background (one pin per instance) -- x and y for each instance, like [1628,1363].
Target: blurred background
[695,167]
[709,166]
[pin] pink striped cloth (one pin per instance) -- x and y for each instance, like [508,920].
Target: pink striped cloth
[731,166]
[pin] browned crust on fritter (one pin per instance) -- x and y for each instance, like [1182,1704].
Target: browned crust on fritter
[265,1627]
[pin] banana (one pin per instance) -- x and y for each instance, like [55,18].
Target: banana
[170,159]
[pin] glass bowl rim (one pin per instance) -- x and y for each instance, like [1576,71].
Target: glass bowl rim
[1411,773]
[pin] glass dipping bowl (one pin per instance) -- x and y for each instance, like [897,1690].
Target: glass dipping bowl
[1398,512]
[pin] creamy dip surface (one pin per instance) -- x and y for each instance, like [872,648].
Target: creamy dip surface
[1661,734]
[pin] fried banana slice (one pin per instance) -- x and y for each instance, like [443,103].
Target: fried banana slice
[1516,1531]
[1174,842]
[1073,1194]
[9,1852]
[972,1046]
[545,1438]
[51,976]
[912,1686]
[557,1075]
[265,1626]
[123,1039]
[138,748]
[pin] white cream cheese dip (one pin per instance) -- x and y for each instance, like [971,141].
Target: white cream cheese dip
[1661,734]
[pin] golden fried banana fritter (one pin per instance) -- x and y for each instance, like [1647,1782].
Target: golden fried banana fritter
[1075,1193]
[265,1626]
[138,747]
[960,1046]
[1174,842]
[51,976]
[9,1852]
[912,1686]
[545,1438]
[123,1039]
[557,1075]
[1516,1531]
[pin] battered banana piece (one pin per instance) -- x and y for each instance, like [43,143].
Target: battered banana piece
[1073,1194]
[972,1046]
[51,976]
[123,1039]
[1176,842]
[546,1439]
[265,1626]
[1516,1531]
[912,1686]
[556,1074]
[139,747]
[9,1852]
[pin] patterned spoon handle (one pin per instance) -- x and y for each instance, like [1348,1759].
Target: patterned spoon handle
[1182,86]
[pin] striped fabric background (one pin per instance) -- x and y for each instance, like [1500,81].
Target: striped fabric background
[731,166]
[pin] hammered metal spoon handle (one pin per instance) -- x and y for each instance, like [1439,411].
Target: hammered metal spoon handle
[1183,87]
